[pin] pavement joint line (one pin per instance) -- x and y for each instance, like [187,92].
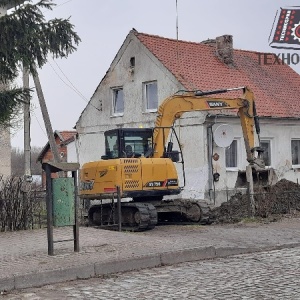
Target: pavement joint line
[91,270]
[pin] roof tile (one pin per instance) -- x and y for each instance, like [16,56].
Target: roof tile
[276,87]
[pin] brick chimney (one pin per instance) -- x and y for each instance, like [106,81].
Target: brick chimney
[224,49]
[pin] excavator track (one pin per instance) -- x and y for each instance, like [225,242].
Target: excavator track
[182,212]
[135,216]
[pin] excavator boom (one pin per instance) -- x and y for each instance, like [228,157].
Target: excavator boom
[173,107]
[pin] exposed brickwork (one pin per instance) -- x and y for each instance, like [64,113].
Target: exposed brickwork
[61,138]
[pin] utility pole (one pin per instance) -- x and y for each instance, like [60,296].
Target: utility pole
[27,147]
[46,118]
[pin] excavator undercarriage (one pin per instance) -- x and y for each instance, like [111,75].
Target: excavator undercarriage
[134,216]
[140,216]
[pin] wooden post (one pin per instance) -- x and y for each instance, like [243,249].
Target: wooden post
[76,226]
[27,152]
[250,191]
[46,117]
[119,209]
[49,210]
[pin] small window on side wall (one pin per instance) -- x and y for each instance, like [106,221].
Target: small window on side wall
[266,156]
[151,95]
[295,145]
[231,155]
[118,101]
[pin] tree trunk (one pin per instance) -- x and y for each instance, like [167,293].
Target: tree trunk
[46,118]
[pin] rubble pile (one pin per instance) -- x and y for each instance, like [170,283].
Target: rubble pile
[270,203]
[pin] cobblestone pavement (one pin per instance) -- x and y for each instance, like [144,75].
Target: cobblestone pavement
[266,275]
[24,261]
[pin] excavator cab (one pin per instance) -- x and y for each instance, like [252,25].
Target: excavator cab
[135,143]
[128,143]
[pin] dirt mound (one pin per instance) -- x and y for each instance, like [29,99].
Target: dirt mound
[281,198]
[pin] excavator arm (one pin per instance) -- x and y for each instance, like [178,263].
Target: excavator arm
[173,107]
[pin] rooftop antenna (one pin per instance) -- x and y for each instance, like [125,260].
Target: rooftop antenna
[176,21]
[179,71]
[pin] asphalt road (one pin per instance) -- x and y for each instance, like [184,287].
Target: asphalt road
[265,275]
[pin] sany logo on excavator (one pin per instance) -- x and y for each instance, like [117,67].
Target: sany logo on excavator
[212,104]
[103,172]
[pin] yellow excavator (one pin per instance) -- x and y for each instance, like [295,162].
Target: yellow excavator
[139,164]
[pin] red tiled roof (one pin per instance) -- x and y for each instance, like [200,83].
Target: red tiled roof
[67,134]
[276,87]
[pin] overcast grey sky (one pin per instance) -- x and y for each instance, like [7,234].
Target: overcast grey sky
[68,84]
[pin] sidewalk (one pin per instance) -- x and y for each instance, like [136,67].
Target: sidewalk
[24,261]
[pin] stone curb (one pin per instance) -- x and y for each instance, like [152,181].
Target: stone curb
[125,265]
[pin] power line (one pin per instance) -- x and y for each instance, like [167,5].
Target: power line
[75,89]
[63,3]
[39,123]
[71,85]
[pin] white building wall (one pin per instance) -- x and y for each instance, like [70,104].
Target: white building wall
[72,152]
[5,144]
[2,11]
[280,132]
[98,116]
[5,152]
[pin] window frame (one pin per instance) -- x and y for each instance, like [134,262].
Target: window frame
[237,141]
[269,141]
[146,98]
[115,91]
[295,166]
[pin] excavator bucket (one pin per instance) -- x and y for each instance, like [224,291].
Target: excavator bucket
[260,177]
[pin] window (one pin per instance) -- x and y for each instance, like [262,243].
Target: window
[132,62]
[295,152]
[128,142]
[266,156]
[118,101]
[151,96]
[231,155]
[111,144]
[138,142]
